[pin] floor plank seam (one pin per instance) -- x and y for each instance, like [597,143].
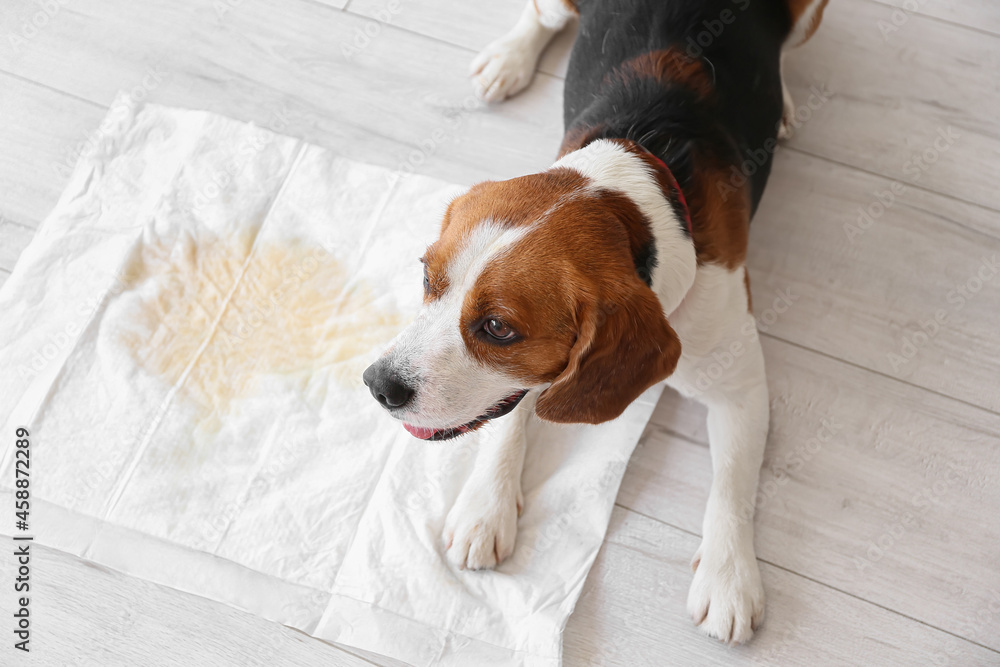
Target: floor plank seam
[411,31]
[815,581]
[940,19]
[342,649]
[915,186]
[687,438]
[53,89]
[894,379]
[881,606]
[680,436]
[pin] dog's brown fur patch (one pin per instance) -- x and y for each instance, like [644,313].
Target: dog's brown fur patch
[569,287]
[720,216]
[797,8]
[670,67]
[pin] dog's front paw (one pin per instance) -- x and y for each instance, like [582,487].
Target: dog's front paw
[503,69]
[726,599]
[481,528]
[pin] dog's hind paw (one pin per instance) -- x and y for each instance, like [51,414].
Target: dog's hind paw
[503,69]
[787,124]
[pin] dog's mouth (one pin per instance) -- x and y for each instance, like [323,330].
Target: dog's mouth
[498,410]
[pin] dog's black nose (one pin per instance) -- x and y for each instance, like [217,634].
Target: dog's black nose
[387,389]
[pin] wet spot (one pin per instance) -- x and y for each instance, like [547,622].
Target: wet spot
[205,318]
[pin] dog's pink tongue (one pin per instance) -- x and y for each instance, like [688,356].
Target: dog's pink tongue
[421,432]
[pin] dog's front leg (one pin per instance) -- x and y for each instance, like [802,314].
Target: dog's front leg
[482,525]
[726,598]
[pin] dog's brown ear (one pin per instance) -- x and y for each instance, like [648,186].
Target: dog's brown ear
[623,347]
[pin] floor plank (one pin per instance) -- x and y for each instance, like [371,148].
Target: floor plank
[280,64]
[83,613]
[891,100]
[914,294]
[869,485]
[14,238]
[981,15]
[42,132]
[632,614]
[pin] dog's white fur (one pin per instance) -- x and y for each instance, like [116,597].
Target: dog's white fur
[708,308]
[609,166]
[452,387]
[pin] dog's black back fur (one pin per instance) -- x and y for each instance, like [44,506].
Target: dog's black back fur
[741,58]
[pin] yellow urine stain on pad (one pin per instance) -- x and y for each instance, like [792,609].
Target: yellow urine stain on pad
[215,322]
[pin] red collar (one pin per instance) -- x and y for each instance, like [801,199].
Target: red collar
[677,189]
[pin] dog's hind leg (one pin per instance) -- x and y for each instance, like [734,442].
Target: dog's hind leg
[788,107]
[805,15]
[507,65]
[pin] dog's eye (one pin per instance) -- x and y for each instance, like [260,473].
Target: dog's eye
[498,329]
[427,282]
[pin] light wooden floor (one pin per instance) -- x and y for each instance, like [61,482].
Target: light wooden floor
[879,523]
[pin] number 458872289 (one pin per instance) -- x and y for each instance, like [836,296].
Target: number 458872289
[22,481]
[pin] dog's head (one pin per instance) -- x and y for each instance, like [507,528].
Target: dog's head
[532,284]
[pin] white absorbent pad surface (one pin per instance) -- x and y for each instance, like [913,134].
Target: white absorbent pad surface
[185,338]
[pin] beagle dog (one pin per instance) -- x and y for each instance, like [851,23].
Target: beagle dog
[567,293]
